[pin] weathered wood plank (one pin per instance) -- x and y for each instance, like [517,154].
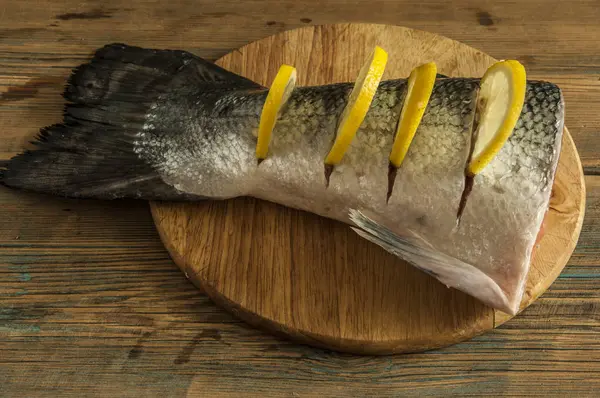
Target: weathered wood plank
[119,305]
[561,46]
[116,316]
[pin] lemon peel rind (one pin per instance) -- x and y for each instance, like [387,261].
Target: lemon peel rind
[518,85]
[358,105]
[279,93]
[420,87]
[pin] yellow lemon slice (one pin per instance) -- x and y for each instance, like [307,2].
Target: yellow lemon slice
[279,93]
[499,105]
[420,87]
[358,104]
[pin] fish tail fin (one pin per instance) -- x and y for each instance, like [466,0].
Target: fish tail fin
[77,162]
[91,153]
[449,270]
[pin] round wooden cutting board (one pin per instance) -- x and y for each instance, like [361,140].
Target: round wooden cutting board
[315,280]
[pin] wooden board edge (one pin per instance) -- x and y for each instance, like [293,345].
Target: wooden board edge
[351,346]
[360,347]
[369,347]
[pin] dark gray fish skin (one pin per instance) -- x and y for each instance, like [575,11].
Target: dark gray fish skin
[215,140]
[90,154]
[166,125]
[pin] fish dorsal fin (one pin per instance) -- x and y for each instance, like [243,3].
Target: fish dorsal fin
[168,62]
[210,72]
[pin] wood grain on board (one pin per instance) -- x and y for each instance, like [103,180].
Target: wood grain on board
[90,301]
[314,279]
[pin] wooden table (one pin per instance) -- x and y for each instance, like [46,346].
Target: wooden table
[91,302]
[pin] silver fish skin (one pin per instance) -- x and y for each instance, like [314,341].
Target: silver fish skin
[183,129]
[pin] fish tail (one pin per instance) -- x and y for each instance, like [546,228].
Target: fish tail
[91,153]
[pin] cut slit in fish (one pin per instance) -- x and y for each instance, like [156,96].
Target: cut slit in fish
[392,172]
[469,180]
[499,103]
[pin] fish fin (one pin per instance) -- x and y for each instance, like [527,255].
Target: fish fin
[119,72]
[83,162]
[91,154]
[447,269]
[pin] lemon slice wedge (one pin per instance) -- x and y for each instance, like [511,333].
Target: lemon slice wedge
[499,105]
[358,104]
[279,93]
[420,87]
